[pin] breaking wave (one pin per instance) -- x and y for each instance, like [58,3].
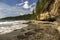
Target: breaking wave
[9,26]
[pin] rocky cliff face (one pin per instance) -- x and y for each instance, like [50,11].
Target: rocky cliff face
[59,7]
[51,11]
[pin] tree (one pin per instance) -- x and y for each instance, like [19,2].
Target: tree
[38,7]
[41,6]
[33,16]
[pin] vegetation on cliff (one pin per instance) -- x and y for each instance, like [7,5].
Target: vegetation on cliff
[45,10]
[41,6]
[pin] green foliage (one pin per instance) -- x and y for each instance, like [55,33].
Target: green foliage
[41,6]
[33,16]
[38,7]
[21,17]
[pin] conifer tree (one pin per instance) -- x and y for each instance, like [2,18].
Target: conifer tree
[33,16]
[41,5]
[38,7]
[33,12]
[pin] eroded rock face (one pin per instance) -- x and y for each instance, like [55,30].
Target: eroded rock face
[51,11]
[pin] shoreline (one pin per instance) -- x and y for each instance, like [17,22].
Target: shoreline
[33,31]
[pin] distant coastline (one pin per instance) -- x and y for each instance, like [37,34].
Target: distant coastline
[21,17]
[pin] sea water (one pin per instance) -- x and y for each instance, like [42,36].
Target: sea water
[9,26]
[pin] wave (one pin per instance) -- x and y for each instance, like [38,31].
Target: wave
[9,26]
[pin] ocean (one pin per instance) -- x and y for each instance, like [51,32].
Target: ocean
[9,26]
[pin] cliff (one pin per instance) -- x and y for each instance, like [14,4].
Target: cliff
[51,12]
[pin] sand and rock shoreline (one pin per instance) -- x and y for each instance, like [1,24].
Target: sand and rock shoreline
[36,30]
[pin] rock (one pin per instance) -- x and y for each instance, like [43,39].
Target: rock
[42,32]
[58,28]
[44,16]
[51,13]
[37,30]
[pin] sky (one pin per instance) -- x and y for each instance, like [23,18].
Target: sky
[16,7]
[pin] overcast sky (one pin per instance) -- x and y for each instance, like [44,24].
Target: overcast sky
[16,7]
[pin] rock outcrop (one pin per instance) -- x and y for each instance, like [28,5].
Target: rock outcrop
[51,11]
